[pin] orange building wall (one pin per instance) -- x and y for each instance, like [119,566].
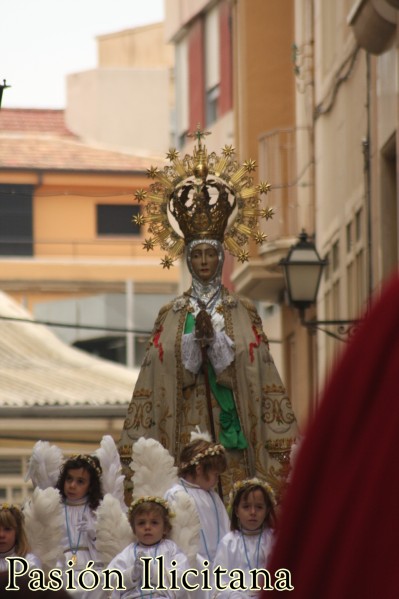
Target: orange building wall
[196,74]
[70,259]
[264,86]
[226,72]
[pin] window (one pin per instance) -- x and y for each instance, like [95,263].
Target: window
[16,227]
[212,97]
[116,219]
[327,267]
[182,93]
[359,225]
[335,256]
[13,487]
[212,64]
[349,237]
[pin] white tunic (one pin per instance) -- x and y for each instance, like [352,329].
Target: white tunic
[213,516]
[82,545]
[126,559]
[244,552]
[214,521]
[32,560]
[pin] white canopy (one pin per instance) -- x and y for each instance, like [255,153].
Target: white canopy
[38,369]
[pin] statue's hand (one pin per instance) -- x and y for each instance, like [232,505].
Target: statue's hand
[204,332]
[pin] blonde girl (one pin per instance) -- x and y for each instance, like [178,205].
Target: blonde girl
[13,541]
[150,520]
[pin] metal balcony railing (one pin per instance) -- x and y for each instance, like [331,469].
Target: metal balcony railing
[285,162]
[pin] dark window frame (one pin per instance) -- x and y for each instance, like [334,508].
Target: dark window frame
[16,219]
[115,220]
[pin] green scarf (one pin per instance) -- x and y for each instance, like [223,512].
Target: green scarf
[230,434]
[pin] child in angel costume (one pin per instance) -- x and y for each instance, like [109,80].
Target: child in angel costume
[207,362]
[13,539]
[77,513]
[201,464]
[248,545]
[163,531]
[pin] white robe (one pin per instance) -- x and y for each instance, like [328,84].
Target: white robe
[214,521]
[244,552]
[124,560]
[85,552]
[33,561]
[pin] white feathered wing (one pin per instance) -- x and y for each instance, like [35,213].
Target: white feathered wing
[113,532]
[112,477]
[44,465]
[44,524]
[186,526]
[153,468]
[154,473]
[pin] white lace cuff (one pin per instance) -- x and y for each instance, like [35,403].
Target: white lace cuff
[221,352]
[191,353]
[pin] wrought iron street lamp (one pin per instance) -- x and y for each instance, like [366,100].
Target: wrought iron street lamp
[303,268]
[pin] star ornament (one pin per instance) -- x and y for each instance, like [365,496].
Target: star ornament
[149,244]
[243,256]
[228,150]
[267,213]
[172,154]
[263,187]
[167,262]
[138,220]
[152,172]
[140,195]
[249,165]
[260,237]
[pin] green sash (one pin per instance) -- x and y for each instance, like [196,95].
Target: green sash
[230,435]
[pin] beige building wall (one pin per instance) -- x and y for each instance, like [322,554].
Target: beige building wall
[356,121]
[138,48]
[180,12]
[127,102]
[384,162]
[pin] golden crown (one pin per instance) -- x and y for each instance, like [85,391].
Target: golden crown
[87,458]
[212,450]
[203,196]
[152,499]
[9,507]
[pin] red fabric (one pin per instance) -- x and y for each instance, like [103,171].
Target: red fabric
[339,533]
[252,346]
[157,344]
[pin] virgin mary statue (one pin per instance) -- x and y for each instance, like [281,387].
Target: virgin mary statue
[207,363]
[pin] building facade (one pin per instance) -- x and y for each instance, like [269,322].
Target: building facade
[315,102]
[70,252]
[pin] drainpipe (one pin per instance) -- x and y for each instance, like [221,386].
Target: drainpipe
[367,179]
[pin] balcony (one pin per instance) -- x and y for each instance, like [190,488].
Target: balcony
[284,161]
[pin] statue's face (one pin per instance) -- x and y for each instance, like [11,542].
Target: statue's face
[204,261]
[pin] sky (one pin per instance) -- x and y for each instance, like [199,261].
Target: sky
[43,41]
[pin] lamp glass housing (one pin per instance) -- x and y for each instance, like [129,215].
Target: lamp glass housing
[302,269]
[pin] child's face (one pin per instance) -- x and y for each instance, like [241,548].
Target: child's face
[206,481]
[77,483]
[252,510]
[149,528]
[7,538]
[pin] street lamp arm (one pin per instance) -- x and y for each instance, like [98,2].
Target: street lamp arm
[344,329]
